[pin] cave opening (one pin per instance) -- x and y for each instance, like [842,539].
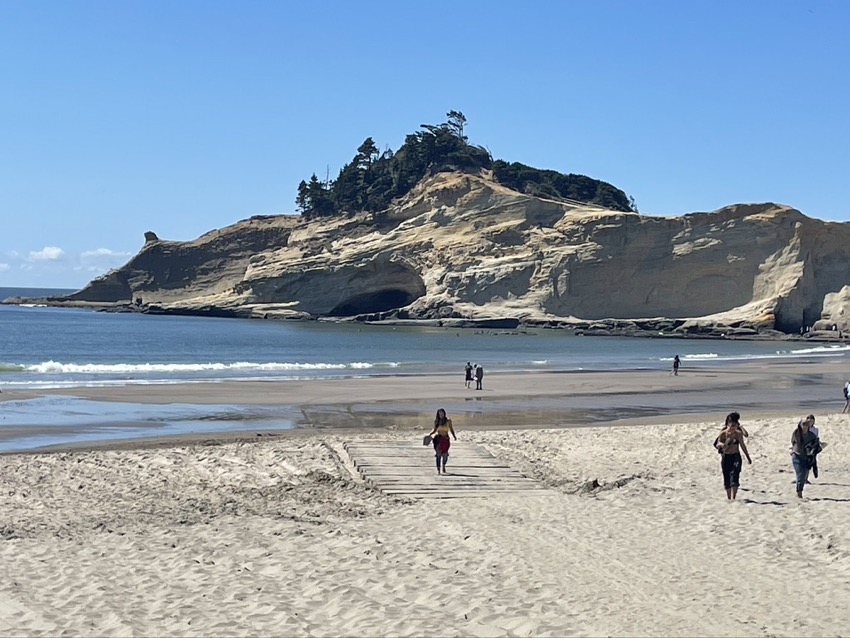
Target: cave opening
[378,301]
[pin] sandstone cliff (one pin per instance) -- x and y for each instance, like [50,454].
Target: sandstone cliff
[461,247]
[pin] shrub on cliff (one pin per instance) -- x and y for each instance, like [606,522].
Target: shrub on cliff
[371,180]
[552,184]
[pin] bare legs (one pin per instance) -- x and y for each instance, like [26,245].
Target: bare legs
[441,459]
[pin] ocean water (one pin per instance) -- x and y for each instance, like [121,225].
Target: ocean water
[65,348]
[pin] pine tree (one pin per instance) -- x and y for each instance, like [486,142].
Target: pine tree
[367,153]
[456,123]
[302,200]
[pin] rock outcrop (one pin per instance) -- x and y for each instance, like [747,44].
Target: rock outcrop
[461,248]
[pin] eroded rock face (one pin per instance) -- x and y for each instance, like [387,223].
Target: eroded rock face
[184,272]
[349,289]
[464,247]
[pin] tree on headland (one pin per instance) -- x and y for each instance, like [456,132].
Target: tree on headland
[456,123]
[313,199]
[301,199]
[371,180]
[367,152]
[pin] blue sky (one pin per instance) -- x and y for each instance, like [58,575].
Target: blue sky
[180,117]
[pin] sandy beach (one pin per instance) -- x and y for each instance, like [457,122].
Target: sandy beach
[630,532]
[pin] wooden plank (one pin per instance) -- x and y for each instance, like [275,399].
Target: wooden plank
[424,481]
[470,494]
[407,469]
[453,468]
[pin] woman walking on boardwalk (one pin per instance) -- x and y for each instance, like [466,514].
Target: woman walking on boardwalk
[442,429]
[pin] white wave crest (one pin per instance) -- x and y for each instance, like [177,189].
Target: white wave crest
[706,356]
[56,367]
[825,349]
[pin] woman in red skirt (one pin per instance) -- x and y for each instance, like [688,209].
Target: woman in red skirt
[442,429]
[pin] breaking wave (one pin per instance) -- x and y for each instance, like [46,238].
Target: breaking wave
[56,367]
[817,351]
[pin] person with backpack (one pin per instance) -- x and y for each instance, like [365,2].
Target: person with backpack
[730,443]
[805,446]
[821,445]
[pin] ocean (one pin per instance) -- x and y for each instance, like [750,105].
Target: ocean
[43,347]
[64,347]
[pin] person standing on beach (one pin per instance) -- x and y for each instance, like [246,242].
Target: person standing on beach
[468,372]
[730,443]
[479,377]
[440,437]
[804,448]
[676,362]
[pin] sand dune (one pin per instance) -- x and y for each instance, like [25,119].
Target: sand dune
[632,535]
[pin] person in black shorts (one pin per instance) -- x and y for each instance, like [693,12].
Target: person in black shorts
[730,443]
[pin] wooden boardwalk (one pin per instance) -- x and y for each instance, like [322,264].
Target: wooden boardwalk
[408,469]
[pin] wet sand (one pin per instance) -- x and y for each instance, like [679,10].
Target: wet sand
[245,409]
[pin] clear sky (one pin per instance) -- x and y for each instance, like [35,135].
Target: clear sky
[118,117]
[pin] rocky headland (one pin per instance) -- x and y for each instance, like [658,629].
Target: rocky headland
[460,249]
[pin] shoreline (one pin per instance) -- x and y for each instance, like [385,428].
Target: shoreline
[656,328]
[251,410]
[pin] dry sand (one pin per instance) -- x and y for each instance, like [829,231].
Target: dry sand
[277,537]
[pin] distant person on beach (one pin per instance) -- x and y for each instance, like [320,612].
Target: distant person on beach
[730,443]
[468,371]
[805,446]
[846,398]
[479,377]
[440,437]
[676,363]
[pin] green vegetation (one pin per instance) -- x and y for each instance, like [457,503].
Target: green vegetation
[555,185]
[373,179]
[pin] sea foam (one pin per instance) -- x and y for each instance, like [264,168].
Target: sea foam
[57,367]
